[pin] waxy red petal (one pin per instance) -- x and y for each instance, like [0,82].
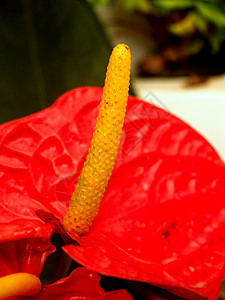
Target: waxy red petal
[24,246]
[157,227]
[81,284]
[162,218]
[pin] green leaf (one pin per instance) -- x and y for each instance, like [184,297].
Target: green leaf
[216,39]
[188,25]
[47,48]
[195,46]
[99,2]
[128,5]
[212,13]
[200,23]
[168,5]
[183,27]
[140,5]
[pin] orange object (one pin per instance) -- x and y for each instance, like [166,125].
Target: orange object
[19,284]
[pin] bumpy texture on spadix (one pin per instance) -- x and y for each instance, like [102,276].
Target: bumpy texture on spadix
[104,145]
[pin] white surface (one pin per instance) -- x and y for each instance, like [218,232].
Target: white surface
[202,107]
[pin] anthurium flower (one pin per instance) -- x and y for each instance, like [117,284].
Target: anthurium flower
[162,216]
[161,219]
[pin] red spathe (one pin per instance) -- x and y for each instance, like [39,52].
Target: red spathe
[81,284]
[162,218]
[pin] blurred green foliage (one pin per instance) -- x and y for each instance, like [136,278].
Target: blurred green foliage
[47,48]
[207,16]
[128,5]
[203,14]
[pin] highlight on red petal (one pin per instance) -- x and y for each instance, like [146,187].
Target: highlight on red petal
[162,218]
[24,246]
[81,284]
